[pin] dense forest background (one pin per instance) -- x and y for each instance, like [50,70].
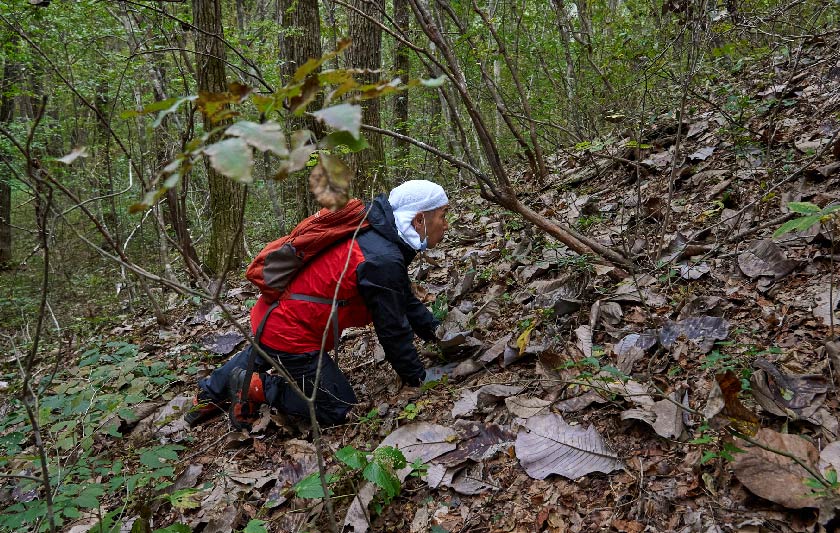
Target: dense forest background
[149,149]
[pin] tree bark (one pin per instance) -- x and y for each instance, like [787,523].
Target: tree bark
[301,21]
[366,53]
[401,68]
[227,198]
[7,111]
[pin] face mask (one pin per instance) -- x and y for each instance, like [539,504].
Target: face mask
[424,244]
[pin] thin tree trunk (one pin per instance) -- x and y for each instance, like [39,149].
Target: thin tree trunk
[227,197]
[366,53]
[301,22]
[11,71]
[401,69]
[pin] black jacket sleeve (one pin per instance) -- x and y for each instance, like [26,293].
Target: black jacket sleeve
[421,319]
[384,287]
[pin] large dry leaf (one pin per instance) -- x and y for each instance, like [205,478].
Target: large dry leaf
[223,344]
[702,330]
[420,440]
[795,396]
[765,258]
[775,477]
[548,445]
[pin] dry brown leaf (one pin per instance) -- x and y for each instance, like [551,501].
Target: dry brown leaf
[775,477]
[526,406]
[795,396]
[724,407]
[548,445]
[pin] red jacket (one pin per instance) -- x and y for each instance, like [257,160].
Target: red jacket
[377,288]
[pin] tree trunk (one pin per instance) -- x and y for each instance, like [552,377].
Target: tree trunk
[227,198]
[401,69]
[7,111]
[366,53]
[301,23]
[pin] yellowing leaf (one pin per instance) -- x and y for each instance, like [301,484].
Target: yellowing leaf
[524,338]
[330,182]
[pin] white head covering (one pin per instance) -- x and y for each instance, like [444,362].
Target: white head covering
[411,198]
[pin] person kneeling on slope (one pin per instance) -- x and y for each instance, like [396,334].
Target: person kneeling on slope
[375,288]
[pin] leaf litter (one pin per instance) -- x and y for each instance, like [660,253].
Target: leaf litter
[677,332]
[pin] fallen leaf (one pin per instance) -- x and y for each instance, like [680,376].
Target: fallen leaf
[724,407]
[526,406]
[222,344]
[487,395]
[547,445]
[765,258]
[702,330]
[794,396]
[702,154]
[775,477]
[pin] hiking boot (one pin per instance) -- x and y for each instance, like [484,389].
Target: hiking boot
[243,413]
[204,408]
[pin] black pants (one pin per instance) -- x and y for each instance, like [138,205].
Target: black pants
[335,395]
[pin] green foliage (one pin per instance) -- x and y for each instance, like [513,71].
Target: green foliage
[412,410]
[440,307]
[379,467]
[78,407]
[811,214]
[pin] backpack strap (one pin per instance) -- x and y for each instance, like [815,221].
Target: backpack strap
[333,314]
[252,356]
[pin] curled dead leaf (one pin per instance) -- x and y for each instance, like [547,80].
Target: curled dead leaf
[330,182]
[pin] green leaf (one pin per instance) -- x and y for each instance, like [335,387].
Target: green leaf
[183,499]
[352,457]
[804,208]
[383,478]
[797,224]
[232,158]
[310,486]
[344,138]
[345,117]
[264,137]
[831,209]
[255,526]
[89,497]
[390,456]
[434,82]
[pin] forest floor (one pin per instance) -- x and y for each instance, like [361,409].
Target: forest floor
[570,402]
